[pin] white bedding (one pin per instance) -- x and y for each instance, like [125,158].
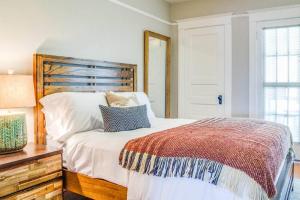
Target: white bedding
[96,154]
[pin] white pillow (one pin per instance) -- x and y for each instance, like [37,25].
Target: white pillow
[142,99]
[67,113]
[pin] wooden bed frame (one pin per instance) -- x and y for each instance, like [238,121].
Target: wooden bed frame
[54,74]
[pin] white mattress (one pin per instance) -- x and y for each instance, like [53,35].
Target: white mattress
[96,154]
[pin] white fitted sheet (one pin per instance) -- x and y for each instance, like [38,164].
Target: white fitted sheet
[96,154]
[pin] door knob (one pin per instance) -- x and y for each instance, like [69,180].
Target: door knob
[220,99]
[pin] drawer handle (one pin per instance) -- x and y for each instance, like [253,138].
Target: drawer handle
[42,179]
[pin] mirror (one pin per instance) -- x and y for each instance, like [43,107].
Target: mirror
[157,72]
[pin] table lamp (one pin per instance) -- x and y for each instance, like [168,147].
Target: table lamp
[16,91]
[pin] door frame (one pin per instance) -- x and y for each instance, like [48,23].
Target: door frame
[203,22]
[258,20]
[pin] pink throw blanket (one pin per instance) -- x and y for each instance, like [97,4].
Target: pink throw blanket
[232,153]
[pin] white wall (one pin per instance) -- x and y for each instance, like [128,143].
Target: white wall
[198,8]
[158,8]
[92,29]
[240,66]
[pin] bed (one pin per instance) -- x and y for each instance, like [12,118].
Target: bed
[55,74]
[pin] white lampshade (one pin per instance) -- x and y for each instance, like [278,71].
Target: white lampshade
[16,91]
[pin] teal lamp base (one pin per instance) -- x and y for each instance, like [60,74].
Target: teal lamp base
[13,132]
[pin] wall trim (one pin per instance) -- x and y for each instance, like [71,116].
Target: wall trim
[201,18]
[134,9]
[207,21]
[213,20]
[258,20]
[273,9]
[257,12]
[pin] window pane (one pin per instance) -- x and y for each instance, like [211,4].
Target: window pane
[282,41]
[294,101]
[270,41]
[270,69]
[270,101]
[282,119]
[294,40]
[294,127]
[271,118]
[282,101]
[282,69]
[294,68]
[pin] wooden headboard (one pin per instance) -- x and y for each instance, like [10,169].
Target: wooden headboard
[54,74]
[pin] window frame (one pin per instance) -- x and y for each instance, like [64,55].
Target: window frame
[259,22]
[261,57]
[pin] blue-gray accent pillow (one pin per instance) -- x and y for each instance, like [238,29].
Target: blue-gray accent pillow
[124,119]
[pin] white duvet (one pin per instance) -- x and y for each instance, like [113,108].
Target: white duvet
[96,154]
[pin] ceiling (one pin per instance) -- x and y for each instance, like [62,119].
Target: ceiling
[177,1]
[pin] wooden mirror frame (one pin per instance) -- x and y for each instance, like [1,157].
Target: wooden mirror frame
[147,35]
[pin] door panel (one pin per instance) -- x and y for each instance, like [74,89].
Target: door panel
[204,63]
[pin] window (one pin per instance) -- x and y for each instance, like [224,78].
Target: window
[281,60]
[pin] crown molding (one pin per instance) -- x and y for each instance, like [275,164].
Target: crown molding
[139,11]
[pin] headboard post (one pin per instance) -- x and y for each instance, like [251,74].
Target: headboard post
[40,134]
[53,74]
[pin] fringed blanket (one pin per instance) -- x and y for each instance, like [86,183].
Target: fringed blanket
[241,155]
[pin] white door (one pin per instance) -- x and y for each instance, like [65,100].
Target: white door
[203,67]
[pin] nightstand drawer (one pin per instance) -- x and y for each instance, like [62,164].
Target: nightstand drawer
[50,190]
[30,174]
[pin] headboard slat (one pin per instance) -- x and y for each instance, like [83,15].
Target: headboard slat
[55,89]
[85,80]
[53,74]
[84,71]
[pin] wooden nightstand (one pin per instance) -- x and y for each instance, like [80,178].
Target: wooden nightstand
[35,173]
